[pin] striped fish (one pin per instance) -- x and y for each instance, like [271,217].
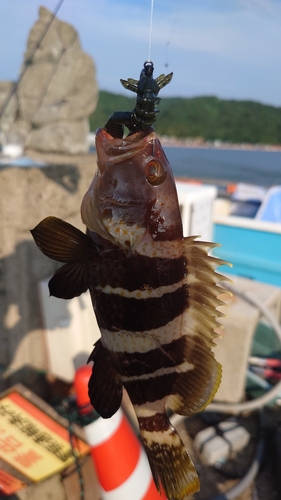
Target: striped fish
[154,294]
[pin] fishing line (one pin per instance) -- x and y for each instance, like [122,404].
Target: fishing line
[171,35]
[150,28]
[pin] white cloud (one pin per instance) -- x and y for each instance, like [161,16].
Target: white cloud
[244,34]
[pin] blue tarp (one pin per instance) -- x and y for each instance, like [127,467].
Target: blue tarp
[270,209]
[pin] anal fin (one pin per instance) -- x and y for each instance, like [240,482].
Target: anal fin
[195,388]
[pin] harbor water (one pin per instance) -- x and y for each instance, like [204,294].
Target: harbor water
[251,166]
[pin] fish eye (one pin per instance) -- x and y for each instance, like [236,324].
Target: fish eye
[155,172]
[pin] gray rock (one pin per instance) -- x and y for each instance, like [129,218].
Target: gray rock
[68,137]
[18,132]
[9,115]
[57,92]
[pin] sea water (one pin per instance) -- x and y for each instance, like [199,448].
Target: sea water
[255,167]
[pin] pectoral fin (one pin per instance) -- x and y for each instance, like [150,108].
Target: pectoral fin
[69,281]
[63,242]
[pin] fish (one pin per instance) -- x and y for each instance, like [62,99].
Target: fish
[155,294]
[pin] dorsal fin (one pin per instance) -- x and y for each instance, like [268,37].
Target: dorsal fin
[195,388]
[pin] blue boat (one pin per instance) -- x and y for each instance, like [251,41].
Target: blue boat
[252,246]
[246,224]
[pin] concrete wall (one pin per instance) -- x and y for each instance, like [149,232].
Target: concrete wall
[27,195]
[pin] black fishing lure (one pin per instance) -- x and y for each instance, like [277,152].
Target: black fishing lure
[144,113]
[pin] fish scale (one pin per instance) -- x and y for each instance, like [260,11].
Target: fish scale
[154,293]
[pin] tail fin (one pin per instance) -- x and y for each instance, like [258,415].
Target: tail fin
[169,460]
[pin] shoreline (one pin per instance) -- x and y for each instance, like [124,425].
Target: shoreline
[174,142]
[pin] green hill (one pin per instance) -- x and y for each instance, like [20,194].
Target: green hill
[207,117]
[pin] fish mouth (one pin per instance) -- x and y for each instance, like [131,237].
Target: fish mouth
[125,203]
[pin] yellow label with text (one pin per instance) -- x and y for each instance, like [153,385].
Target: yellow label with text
[28,445]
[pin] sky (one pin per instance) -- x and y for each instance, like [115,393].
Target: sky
[224,48]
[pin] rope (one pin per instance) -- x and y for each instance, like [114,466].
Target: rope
[68,409]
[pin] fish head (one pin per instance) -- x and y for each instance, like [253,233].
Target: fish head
[133,195]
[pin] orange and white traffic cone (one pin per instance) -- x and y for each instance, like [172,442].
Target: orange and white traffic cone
[119,459]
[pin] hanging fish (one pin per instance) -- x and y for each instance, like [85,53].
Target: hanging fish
[154,293]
